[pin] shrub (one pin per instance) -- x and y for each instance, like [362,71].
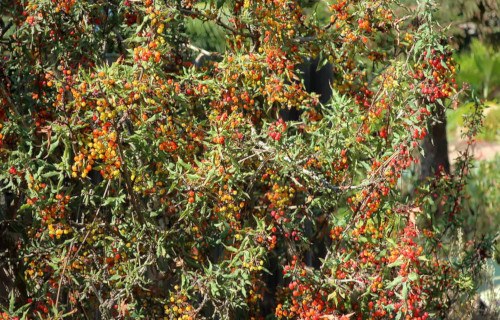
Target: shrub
[484,194]
[147,188]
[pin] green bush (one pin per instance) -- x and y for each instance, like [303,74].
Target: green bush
[483,202]
[480,67]
[490,131]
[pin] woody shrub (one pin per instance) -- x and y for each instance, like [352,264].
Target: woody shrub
[148,188]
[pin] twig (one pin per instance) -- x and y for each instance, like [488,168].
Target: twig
[205,52]
[319,179]
[120,39]
[305,39]
[136,202]
[6,28]
[202,304]
[67,258]
[349,280]
[250,156]
[312,38]
[378,73]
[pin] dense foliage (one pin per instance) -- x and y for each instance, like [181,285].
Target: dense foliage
[148,188]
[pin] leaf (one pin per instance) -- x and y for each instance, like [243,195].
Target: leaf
[363,239]
[50,174]
[396,263]
[60,181]
[213,289]
[244,291]
[12,301]
[333,296]
[405,291]
[172,186]
[115,277]
[193,177]
[183,164]
[232,249]
[115,200]
[395,282]
[52,147]
[184,214]
[321,62]
[423,258]
[413,276]
[391,242]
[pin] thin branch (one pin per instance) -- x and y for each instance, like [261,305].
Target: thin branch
[202,304]
[349,280]
[319,179]
[68,256]
[378,73]
[200,50]
[312,38]
[305,39]
[6,28]
[403,19]
[120,40]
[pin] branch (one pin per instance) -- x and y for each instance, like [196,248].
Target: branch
[203,51]
[312,38]
[6,28]
[15,111]
[310,173]
[349,280]
[315,177]
[68,255]
[378,73]
[136,202]
[202,304]
[120,39]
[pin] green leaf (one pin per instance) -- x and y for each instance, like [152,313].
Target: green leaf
[405,291]
[183,164]
[213,289]
[12,301]
[395,282]
[423,258]
[243,291]
[50,174]
[413,276]
[396,263]
[115,277]
[391,241]
[232,249]
[363,239]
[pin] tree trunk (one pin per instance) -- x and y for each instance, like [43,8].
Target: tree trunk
[435,146]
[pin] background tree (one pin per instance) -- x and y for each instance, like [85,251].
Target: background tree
[150,188]
[470,19]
